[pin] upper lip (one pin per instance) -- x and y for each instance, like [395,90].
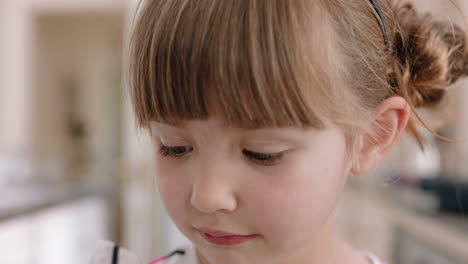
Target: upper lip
[216,233]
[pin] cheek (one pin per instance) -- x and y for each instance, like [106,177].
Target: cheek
[173,187]
[295,208]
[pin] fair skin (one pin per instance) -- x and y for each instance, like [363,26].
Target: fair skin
[217,179]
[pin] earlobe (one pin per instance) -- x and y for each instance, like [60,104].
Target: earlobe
[389,122]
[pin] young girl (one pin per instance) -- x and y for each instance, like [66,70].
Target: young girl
[260,109]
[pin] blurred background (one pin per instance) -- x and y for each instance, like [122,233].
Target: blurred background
[74,168]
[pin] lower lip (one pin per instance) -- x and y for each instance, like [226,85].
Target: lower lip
[226,240]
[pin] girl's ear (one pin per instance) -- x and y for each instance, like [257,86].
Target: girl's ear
[389,122]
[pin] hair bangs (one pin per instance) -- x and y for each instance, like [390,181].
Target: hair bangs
[192,61]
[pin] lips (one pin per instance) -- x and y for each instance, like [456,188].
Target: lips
[223,238]
[216,233]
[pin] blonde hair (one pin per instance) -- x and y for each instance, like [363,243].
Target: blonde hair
[287,63]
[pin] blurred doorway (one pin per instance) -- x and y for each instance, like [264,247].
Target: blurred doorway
[77,122]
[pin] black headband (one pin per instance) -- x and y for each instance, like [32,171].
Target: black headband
[382,22]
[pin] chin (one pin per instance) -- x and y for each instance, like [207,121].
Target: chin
[228,255]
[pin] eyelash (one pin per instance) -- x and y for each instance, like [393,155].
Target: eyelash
[266,159]
[173,151]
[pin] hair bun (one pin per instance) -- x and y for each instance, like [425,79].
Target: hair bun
[430,56]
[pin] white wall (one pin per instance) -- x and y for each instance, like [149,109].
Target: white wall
[15,100]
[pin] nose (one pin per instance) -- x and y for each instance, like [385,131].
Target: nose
[214,189]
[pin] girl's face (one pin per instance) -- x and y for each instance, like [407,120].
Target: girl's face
[277,185]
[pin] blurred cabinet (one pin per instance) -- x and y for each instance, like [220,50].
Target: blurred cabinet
[369,218]
[411,250]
